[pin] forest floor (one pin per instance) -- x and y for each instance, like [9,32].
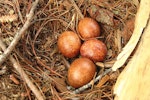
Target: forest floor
[37,51]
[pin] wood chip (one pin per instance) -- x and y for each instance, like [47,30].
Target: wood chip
[103,81]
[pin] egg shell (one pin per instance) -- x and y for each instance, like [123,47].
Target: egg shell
[69,44]
[94,49]
[81,71]
[88,28]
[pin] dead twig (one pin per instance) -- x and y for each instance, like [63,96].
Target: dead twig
[77,8]
[18,10]
[19,34]
[91,83]
[22,73]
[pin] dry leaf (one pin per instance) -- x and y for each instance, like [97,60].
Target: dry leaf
[128,30]
[101,15]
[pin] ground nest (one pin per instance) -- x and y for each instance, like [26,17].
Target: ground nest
[37,51]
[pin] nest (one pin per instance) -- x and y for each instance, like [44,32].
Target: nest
[30,31]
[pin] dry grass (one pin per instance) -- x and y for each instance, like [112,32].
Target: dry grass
[37,50]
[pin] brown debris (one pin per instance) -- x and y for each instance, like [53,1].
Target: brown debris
[60,84]
[8,18]
[101,15]
[128,30]
[14,79]
[103,81]
[37,51]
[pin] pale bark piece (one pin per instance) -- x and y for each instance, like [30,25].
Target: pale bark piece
[134,81]
[140,23]
[136,2]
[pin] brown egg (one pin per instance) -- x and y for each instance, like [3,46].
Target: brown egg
[93,49]
[88,28]
[69,44]
[81,71]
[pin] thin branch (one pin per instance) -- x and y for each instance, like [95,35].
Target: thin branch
[91,83]
[22,73]
[77,8]
[18,35]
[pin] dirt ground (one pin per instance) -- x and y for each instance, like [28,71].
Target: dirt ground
[37,51]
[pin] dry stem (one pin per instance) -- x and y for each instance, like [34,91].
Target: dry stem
[90,84]
[77,8]
[19,34]
[18,67]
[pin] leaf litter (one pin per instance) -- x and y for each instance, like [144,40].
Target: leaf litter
[37,51]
